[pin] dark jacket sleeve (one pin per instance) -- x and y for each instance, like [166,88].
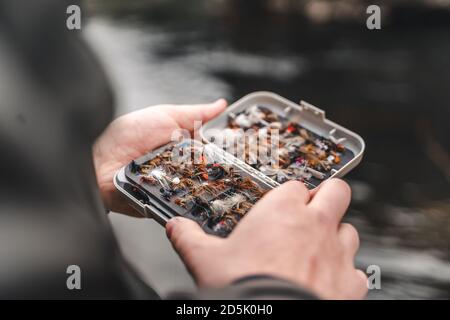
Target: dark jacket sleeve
[250,288]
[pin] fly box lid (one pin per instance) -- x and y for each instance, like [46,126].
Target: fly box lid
[273,140]
[307,146]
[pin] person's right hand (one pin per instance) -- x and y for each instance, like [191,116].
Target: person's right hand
[290,233]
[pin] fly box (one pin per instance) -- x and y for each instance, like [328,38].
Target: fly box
[191,179]
[260,141]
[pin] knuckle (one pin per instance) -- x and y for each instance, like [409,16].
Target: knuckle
[298,188]
[281,192]
[292,188]
[322,216]
[287,196]
[296,185]
[282,200]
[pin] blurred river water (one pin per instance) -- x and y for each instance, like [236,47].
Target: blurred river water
[390,86]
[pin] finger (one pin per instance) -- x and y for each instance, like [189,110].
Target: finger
[349,238]
[186,235]
[290,191]
[187,115]
[332,200]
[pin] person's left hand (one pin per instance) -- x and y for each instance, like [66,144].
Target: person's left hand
[132,135]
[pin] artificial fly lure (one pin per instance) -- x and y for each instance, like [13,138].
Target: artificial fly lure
[300,154]
[214,194]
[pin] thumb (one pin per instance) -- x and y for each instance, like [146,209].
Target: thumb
[186,115]
[211,110]
[186,235]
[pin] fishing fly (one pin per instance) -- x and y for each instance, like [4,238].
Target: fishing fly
[301,154]
[213,193]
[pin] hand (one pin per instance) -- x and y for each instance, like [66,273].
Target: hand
[290,233]
[132,135]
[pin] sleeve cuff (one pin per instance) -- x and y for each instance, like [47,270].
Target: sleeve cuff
[253,287]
